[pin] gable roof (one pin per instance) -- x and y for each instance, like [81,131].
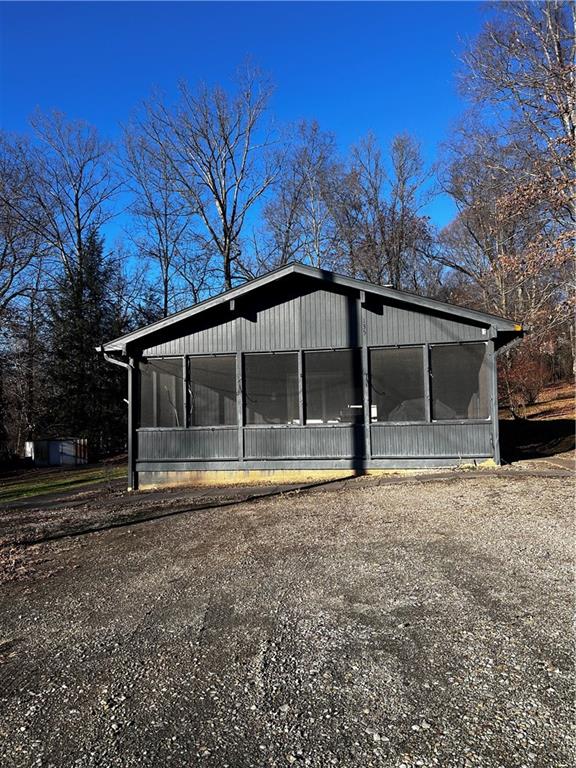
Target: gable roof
[323,276]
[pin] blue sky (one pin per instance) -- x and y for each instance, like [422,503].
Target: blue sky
[385,67]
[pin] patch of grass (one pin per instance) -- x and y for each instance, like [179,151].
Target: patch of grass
[54,482]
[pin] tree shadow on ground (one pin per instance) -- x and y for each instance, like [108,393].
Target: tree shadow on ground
[522,439]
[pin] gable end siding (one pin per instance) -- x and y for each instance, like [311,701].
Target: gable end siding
[317,319]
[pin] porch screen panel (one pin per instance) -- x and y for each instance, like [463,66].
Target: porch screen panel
[459,382]
[212,391]
[271,388]
[161,393]
[333,387]
[397,384]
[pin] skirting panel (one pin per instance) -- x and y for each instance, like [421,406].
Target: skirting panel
[308,442]
[170,444]
[314,443]
[434,440]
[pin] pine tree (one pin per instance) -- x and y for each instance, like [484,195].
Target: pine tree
[86,393]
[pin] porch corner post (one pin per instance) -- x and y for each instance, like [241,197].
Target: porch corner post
[132,390]
[493,378]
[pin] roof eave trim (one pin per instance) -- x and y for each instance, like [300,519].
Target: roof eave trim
[214,301]
[500,323]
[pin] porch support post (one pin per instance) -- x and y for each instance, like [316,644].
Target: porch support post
[365,374]
[298,328]
[427,400]
[492,364]
[301,387]
[133,372]
[240,406]
[185,393]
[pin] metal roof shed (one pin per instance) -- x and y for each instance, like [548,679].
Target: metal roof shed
[304,372]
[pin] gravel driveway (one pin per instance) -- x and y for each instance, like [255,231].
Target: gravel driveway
[365,625]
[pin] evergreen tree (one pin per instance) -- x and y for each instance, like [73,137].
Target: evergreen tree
[25,353]
[86,393]
[147,309]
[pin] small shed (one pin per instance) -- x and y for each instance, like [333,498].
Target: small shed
[304,373]
[57,451]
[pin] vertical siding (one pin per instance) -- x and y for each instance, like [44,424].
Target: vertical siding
[317,442]
[308,442]
[390,324]
[261,442]
[271,328]
[220,337]
[167,444]
[431,440]
[327,319]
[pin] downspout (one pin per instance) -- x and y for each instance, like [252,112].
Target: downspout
[114,360]
[128,366]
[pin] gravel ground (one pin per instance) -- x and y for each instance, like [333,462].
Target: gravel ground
[399,625]
[109,505]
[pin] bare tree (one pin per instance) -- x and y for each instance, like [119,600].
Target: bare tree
[163,223]
[298,221]
[20,245]
[71,185]
[511,170]
[214,146]
[410,236]
[317,170]
[524,61]
[379,212]
[23,368]
[511,257]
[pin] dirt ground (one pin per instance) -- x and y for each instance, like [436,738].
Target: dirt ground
[408,624]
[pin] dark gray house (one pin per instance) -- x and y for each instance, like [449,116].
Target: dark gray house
[303,372]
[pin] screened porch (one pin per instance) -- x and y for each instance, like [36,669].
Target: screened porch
[423,400]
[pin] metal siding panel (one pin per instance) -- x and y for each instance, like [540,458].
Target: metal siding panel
[397,325]
[325,321]
[175,444]
[373,328]
[247,334]
[431,440]
[298,442]
[308,320]
[218,338]
[396,328]
[275,328]
[410,320]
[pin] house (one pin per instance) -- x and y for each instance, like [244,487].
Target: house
[305,373]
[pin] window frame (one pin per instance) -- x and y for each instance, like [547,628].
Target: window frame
[300,352]
[460,420]
[187,383]
[334,425]
[426,351]
[284,425]
[425,381]
[151,359]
